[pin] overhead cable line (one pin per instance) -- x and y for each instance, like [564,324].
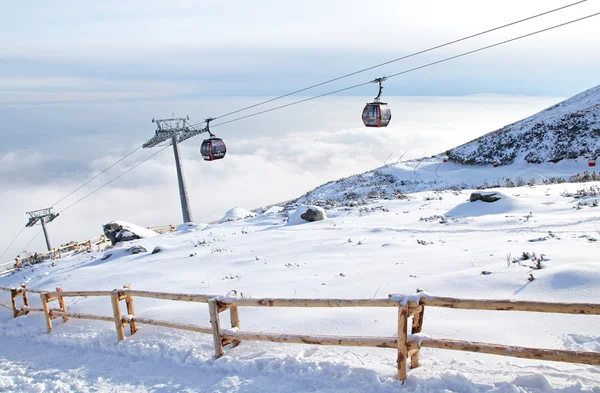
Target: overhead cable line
[115,178]
[409,70]
[341,90]
[98,175]
[399,59]
[31,241]
[11,243]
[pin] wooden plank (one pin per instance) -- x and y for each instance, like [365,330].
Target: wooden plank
[33,309]
[213,309]
[114,297]
[234,316]
[44,299]
[58,313]
[38,291]
[52,297]
[55,295]
[417,326]
[61,303]
[557,355]
[184,297]
[181,326]
[130,310]
[275,302]
[512,305]
[402,342]
[348,341]
[25,299]
[13,301]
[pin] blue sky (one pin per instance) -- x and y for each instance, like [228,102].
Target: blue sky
[80,81]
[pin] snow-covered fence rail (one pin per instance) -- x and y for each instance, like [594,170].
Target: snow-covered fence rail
[120,320]
[14,294]
[407,345]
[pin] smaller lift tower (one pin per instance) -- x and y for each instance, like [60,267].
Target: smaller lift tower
[44,216]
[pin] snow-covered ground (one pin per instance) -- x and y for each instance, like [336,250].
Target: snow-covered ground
[366,248]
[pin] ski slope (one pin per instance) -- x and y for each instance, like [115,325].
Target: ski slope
[374,242]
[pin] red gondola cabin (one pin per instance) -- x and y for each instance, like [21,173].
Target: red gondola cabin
[213,148]
[376,114]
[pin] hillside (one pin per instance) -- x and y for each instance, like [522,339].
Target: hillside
[431,238]
[400,227]
[567,130]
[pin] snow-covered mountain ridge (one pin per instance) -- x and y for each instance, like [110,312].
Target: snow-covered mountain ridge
[567,130]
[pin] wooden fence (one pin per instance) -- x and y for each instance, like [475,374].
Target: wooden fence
[407,345]
[97,242]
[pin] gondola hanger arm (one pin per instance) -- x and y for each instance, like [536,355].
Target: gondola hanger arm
[379,81]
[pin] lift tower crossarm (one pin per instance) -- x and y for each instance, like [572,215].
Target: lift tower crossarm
[175,127]
[44,216]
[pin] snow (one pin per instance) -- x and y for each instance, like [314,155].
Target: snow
[236,214]
[190,226]
[376,242]
[135,229]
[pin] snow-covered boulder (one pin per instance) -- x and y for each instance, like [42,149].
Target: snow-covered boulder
[235,214]
[121,231]
[190,227]
[272,210]
[306,213]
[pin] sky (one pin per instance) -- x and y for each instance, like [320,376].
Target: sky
[80,82]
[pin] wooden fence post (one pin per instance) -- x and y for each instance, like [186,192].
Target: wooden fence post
[130,310]
[114,297]
[17,263]
[61,303]
[44,299]
[25,298]
[213,309]
[235,322]
[13,299]
[402,341]
[417,326]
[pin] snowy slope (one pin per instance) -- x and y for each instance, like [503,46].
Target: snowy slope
[569,129]
[369,246]
[397,181]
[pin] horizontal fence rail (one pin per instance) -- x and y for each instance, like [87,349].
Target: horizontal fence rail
[407,345]
[512,305]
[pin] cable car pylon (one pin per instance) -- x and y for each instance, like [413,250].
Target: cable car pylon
[178,130]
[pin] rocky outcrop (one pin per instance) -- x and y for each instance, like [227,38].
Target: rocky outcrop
[567,130]
[478,196]
[121,231]
[313,215]
[306,213]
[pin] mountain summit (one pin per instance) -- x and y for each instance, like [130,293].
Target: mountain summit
[567,130]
